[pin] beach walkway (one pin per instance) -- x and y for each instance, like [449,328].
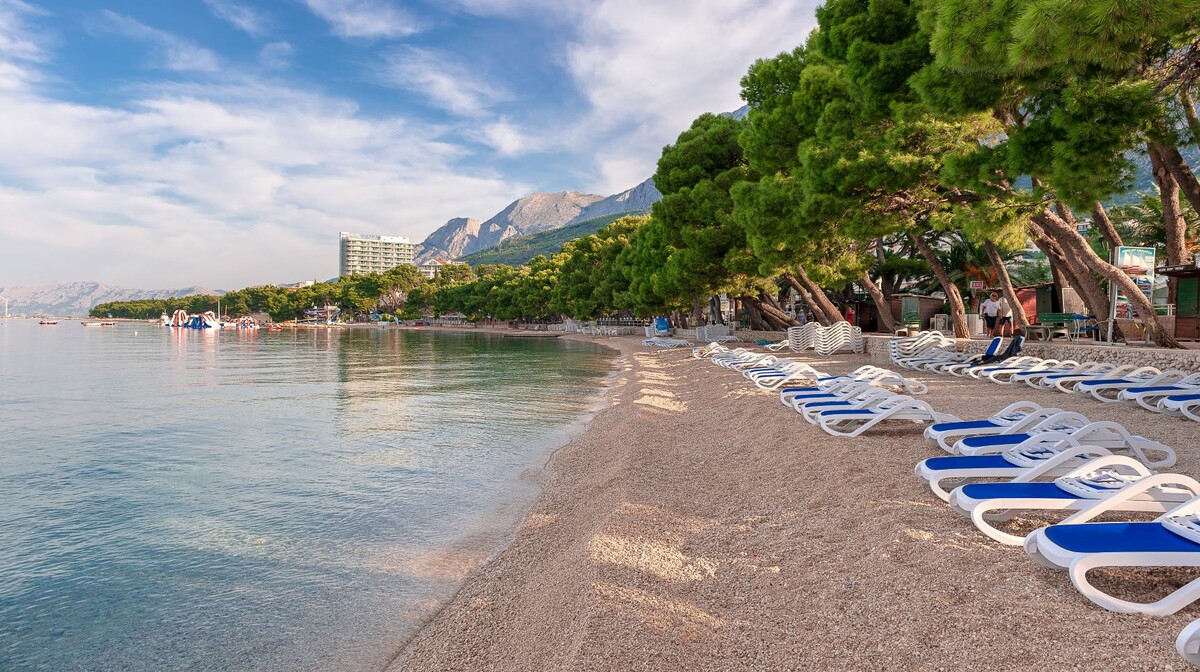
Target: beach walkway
[698,524]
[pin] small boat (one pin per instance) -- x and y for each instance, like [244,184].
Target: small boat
[274,327]
[95,323]
[108,324]
[49,322]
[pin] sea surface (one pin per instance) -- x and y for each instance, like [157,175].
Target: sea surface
[298,500]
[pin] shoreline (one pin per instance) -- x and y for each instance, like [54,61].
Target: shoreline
[695,523]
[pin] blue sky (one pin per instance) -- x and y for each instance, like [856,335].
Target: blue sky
[225,143]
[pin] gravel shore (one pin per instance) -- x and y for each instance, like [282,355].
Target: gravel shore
[698,524]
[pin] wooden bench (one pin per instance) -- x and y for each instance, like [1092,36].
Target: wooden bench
[1049,324]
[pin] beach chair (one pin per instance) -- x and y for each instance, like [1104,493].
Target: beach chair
[959,358]
[1108,389]
[1148,396]
[1102,433]
[1007,375]
[1171,540]
[1050,381]
[1067,383]
[1052,459]
[866,397]
[1181,404]
[1006,418]
[1097,479]
[1059,451]
[1034,377]
[853,422]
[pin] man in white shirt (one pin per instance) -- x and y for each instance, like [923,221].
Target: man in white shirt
[1004,318]
[989,309]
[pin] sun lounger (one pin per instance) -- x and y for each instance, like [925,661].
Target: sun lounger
[1148,397]
[1034,376]
[868,397]
[1181,404]
[1108,389]
[1050,460]
[988,503]
[1171,540]
[1007,375]
[1005,419]
[1102,433]
[853,422]
[1049,381]
[1068,383]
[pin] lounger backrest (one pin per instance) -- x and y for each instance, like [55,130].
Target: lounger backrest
[994,346]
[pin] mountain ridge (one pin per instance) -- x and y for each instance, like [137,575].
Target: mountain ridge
[77,298]
[532,214]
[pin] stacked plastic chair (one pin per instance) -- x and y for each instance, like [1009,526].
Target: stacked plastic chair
[838,336]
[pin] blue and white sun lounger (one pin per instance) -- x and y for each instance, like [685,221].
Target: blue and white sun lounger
[1108,389]
[853,422]
[1148,397]
[1034,376]
[1049,460]
[1171,540]
[1103,433]
[1047,420]
[1078,489]
[1013,417]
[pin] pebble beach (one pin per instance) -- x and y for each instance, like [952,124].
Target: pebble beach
[699,524]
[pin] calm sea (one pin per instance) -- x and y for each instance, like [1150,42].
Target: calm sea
[176,500]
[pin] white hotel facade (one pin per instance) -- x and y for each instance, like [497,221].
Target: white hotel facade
[372,254]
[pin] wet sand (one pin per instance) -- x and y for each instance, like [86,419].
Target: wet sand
[698,524]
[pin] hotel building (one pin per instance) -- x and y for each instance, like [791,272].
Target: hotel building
[373,254]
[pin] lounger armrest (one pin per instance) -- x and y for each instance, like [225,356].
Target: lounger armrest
[1109,461]
[1052,463]
[1133,490]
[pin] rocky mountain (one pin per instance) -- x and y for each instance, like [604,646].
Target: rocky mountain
[76,298]
[532,214]
[638,199]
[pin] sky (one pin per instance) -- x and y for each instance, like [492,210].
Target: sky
[225,143]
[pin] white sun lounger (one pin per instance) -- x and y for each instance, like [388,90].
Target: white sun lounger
[853,422]
[1103,433]
[1007,418]
[989,503]
[1108,389]
[1171,540]
[1050,460]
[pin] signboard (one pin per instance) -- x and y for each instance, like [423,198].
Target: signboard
[977,284]
[1138,264]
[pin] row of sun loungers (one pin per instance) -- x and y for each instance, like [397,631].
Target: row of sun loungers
[1024,458]
[661,342]
[1171,392]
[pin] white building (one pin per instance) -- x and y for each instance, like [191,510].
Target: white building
[431,268]
[373,254]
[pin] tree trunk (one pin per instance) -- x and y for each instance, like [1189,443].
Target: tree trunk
[883,307]
[810,301]
[752,311]
[1107,229]
[1019,317]
[1174,224]
[1078,247]
[958,315]
[714,310]
[1072,269]
[772,313]
[1189,112]
[697,312]
[822,302]
[1174,163]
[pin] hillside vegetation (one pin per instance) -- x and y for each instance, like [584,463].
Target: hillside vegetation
[516,251]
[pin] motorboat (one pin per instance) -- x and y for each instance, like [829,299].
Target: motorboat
[48,323]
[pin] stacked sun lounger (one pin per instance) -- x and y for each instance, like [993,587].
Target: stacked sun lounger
[826,340]
[1063,462]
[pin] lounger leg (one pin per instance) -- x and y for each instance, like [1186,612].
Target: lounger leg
[1168,605]
[1188,643]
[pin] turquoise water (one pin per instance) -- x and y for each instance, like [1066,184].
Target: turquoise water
[270,501]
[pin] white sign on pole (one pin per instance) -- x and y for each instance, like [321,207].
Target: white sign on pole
[977,284]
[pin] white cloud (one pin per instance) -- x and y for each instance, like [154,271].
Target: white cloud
[649,78]
[223,185]
[247,19]
[173,52]
[15,39]
[505,138]
[446,84]
[276,55]
[370,19]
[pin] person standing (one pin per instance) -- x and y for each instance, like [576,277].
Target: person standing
[989,309]
[1004,317]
